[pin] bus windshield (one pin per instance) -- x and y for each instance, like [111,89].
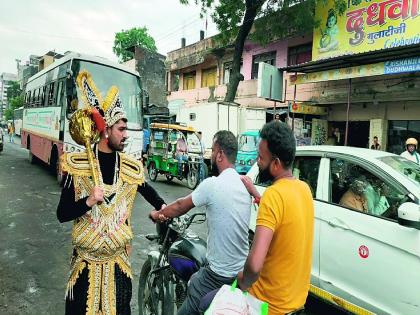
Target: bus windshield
[127,84]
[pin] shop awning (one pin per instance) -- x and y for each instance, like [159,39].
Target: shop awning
[279,111]
[356,59]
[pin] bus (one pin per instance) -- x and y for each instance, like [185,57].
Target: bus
[48,98]
[17,120]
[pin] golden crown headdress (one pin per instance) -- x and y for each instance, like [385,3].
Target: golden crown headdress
[111,108]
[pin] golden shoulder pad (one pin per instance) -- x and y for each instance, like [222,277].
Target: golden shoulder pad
[131,170]
[75,164]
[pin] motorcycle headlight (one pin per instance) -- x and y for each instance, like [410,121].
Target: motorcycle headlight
[250,162]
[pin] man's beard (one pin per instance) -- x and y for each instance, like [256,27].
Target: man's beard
[264,175]
[214,170]
[115,147]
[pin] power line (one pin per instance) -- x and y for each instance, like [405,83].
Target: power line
[179,28]
[14,29]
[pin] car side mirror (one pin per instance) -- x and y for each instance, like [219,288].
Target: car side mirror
[409,215]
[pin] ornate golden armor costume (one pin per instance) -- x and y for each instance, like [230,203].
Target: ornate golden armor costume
[101,235]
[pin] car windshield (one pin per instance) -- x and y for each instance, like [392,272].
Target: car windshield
[404,166]
[248,143]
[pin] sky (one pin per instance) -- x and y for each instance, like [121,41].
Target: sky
[34,27]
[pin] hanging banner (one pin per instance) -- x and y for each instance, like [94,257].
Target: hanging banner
[365,26]
[300,108]
[388,67]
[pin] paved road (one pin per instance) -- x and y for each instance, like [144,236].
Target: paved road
[35,248]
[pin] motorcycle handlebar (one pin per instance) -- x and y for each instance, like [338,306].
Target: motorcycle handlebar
[193,216]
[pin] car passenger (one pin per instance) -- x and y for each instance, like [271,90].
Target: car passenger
[354,197]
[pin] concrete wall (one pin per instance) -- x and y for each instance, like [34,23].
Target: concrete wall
[151,67]
[251,50]
[281,48]
[199,59]
[246,95]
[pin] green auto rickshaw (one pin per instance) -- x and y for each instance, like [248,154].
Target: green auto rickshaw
[174,151]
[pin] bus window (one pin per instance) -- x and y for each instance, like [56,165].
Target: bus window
[60,94]
[38,98]
[28,99]
[33,102]
[51,94]
[44,88]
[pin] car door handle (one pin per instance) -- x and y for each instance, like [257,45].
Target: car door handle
[338,223]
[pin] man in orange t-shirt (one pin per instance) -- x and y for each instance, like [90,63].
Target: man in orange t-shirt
[278,267]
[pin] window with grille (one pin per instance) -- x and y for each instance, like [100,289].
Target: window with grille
[268,57]
[227,71]
[208,77]
[189,81]
[299,54]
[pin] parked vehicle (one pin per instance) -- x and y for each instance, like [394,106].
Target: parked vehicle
[148,119]
[247,150]
[363,261]
[165,274]
[17,120]
[212,117]
[162,158]
[1,139]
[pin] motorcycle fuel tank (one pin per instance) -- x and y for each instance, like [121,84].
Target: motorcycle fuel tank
[186,256]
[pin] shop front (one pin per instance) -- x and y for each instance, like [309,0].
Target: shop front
[365,70]
[361,104]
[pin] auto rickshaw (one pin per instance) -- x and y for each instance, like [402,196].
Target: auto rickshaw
[165,159]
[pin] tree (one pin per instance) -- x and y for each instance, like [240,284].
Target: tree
[13,90]
[137,36]
[14,103]
[274,19]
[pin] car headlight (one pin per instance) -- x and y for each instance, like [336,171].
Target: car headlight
[250,162]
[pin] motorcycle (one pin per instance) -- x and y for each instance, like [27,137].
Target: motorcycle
[166,272]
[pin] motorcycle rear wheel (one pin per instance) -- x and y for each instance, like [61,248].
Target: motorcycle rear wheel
[161,293]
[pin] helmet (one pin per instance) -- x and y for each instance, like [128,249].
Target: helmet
[411,141]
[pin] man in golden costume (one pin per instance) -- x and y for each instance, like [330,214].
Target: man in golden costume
[100,275]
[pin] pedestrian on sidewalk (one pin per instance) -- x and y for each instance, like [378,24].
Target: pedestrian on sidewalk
[11,131]
[100,274]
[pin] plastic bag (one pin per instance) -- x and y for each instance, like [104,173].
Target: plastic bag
[230,300]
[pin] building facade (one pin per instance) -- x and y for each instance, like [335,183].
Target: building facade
[200,72]
[366,75]
[5,82]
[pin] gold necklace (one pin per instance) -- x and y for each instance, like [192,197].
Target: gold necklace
[113,187]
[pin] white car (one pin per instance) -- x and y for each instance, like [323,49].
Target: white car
[363,261]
